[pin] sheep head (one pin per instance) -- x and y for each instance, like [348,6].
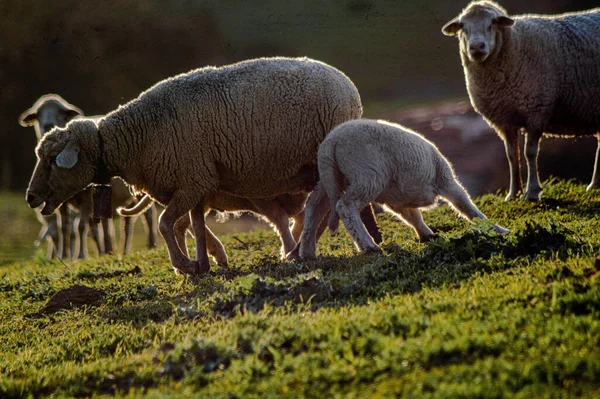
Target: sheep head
[49,111]
[67,159]
[479,28]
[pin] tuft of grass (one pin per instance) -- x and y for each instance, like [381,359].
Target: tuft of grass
[471,314]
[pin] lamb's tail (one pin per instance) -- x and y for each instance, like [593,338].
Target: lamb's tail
[142,206]
[331,179]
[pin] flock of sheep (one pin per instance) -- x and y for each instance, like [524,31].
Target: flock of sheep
[284,138]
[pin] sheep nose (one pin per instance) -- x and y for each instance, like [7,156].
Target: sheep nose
[477,46]
[47,128]
[33,200]
[30,198]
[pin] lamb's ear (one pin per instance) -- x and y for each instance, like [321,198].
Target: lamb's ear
[28,117]
[503,21]
[68,156]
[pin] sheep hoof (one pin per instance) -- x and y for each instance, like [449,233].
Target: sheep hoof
[373,250]
[592,186]
[500,230]
[510,196]
[533,195]
[428,238]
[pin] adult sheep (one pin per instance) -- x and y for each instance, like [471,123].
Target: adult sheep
[250,129]
[532,72]
[362,161]
[52,110]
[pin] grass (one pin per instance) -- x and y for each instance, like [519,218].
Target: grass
[471,314]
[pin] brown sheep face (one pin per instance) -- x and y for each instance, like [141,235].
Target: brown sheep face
[62,169]
[478,29]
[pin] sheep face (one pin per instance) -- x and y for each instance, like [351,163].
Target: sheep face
[62,169]
[49,113]
[479,29]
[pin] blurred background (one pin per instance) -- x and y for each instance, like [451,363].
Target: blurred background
[97,55]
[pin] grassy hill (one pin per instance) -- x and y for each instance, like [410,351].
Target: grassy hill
[471,314]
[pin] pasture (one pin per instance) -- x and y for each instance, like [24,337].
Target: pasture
[471,314]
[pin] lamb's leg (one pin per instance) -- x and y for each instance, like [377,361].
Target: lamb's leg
[413,218]
[315,210]
[65,231]
[127,233]
[180,204]
[460,201]
[348,208]
[199,227]
[367,215]
[95,230]
[150,218]
[532,145]
[596,176]
[511,146]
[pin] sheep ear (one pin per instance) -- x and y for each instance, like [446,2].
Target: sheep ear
[28,117]
[73,112]
[503,21]
[452,27]
[68,156]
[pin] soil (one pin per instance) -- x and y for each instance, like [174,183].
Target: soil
[73,297]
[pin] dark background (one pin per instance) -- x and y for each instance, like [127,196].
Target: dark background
[100,54]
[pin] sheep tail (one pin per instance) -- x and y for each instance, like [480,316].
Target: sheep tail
[332,181]
[142,206]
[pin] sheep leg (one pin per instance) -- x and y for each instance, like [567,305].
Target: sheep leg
[511,146]
[315,210]
[150,219]
[128,224]
[596,176]
[460,201]
[367,215]
[95,230]
[82,230]
[532,145]
[280,221]
[199,227]
[109,233]
[74,232]
[413,218]
[348,208]
[178,207]
[180,230]
[298,225]
[65,231]
[215,248]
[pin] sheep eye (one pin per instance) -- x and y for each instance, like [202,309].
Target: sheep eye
[52,160]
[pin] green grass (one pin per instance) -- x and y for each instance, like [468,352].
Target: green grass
[469,315]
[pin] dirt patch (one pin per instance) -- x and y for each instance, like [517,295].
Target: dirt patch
[73,297]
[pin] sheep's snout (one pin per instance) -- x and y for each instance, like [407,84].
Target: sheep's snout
[478,50]
[47,127]
[34,200]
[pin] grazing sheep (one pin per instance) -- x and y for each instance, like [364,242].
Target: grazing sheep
[533,72]
[362,161]
[52,110]
[250,129]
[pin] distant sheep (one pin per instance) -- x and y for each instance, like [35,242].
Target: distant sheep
[52,110]
[250,129]
[362,161]
[533,72]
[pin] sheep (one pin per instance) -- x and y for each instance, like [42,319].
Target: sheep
[249,129]
[52,110]
[362,161]
[538,73]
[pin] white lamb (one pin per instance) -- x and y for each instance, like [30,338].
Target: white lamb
[363,161]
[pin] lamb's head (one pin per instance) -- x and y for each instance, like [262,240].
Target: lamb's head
[49,111]
[479,28]
[67,159]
